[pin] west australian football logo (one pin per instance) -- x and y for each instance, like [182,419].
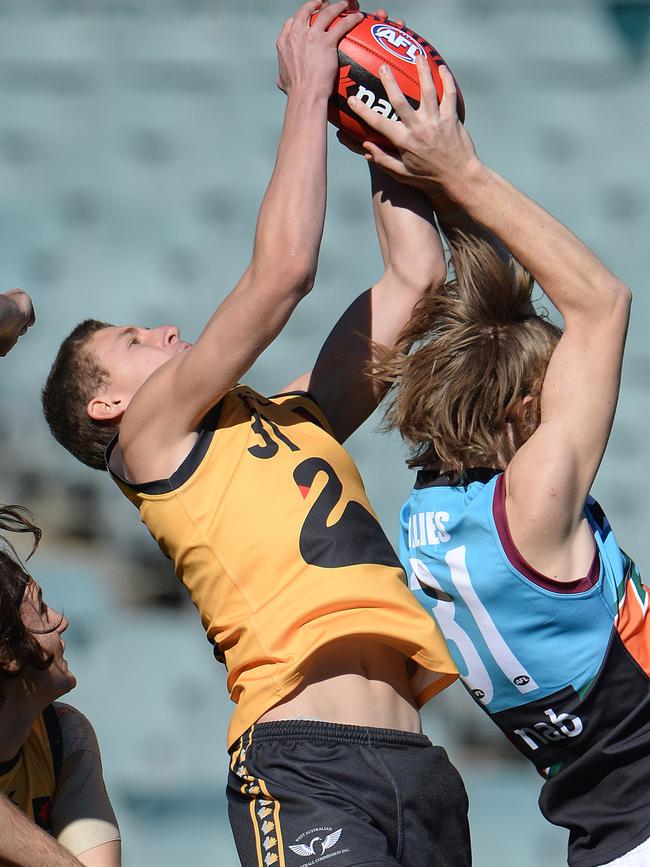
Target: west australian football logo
[397,42]
[319,843]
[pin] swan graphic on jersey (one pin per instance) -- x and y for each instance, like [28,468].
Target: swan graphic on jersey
[318,842]
[354,540]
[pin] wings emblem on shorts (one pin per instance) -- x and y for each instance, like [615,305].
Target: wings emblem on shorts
[329,841]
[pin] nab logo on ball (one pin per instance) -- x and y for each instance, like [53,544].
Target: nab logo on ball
[398,43]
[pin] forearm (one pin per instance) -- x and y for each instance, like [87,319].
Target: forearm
[24,844]
[414,265]
[414,260]
[292,214]
[435,150]
[453,219]
[572,276]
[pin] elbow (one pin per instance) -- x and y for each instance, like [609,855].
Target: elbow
[303,282]
[292,283]
[418,282]
[295,273]
[298,270]
[605,301]
[290,278]
[617,299]
[624,294]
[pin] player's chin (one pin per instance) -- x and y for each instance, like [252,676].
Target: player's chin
[66,681]
[71,682]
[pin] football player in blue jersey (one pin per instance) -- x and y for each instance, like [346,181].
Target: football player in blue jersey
[507,418]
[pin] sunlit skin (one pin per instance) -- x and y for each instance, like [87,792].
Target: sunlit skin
[130,354]
[158,394]
[47,625]
[23,697]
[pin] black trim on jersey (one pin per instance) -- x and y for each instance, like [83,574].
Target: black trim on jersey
[436,479]
[5,767]
[187,468]
[302,410]
[55,736]
[296,394]
[600,738]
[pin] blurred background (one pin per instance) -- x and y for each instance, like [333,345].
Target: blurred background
[136,140]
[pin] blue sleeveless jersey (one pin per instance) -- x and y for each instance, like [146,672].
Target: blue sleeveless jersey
[563,670]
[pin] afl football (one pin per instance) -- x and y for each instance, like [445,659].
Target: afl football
[372,43]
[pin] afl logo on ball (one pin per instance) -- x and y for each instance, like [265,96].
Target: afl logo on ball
[397,42]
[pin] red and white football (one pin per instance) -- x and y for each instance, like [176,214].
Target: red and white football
[368,46]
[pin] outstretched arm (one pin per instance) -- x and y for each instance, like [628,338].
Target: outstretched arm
[455,223]
[581,385]
[24,844]
[168,408]
[414,263]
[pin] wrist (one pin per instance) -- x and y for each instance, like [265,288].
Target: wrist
[307,93]
[417,276]
[465,186]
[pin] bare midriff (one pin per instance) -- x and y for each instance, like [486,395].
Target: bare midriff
[353,682]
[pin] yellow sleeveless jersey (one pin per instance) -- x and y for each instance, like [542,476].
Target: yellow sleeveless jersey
[268,526]
[30,780]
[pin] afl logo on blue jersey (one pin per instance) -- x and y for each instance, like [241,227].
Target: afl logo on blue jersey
[522,680]
[397,42]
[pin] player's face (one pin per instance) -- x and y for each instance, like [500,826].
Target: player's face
[131,354]
[47,626]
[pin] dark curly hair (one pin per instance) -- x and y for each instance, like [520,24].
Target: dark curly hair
[18,646]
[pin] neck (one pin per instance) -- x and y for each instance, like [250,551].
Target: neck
[505,452]
[478,462]
[17,715]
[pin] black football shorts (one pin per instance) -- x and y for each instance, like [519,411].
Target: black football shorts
[303,793]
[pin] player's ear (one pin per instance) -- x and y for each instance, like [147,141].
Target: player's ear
[9,667]
[519,412]
[105,408]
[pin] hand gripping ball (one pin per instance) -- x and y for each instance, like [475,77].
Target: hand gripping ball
[368,46]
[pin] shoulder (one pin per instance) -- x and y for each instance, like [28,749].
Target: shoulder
[82,815]
[303,403]
[77,732]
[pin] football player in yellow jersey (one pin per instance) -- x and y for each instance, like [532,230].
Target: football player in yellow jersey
[49,759]
[265,517]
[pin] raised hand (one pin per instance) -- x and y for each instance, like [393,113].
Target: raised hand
[383,15]
[16,316]
[307,55]
[433,146]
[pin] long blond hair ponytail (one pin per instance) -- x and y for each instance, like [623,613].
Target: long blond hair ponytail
[469,353]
